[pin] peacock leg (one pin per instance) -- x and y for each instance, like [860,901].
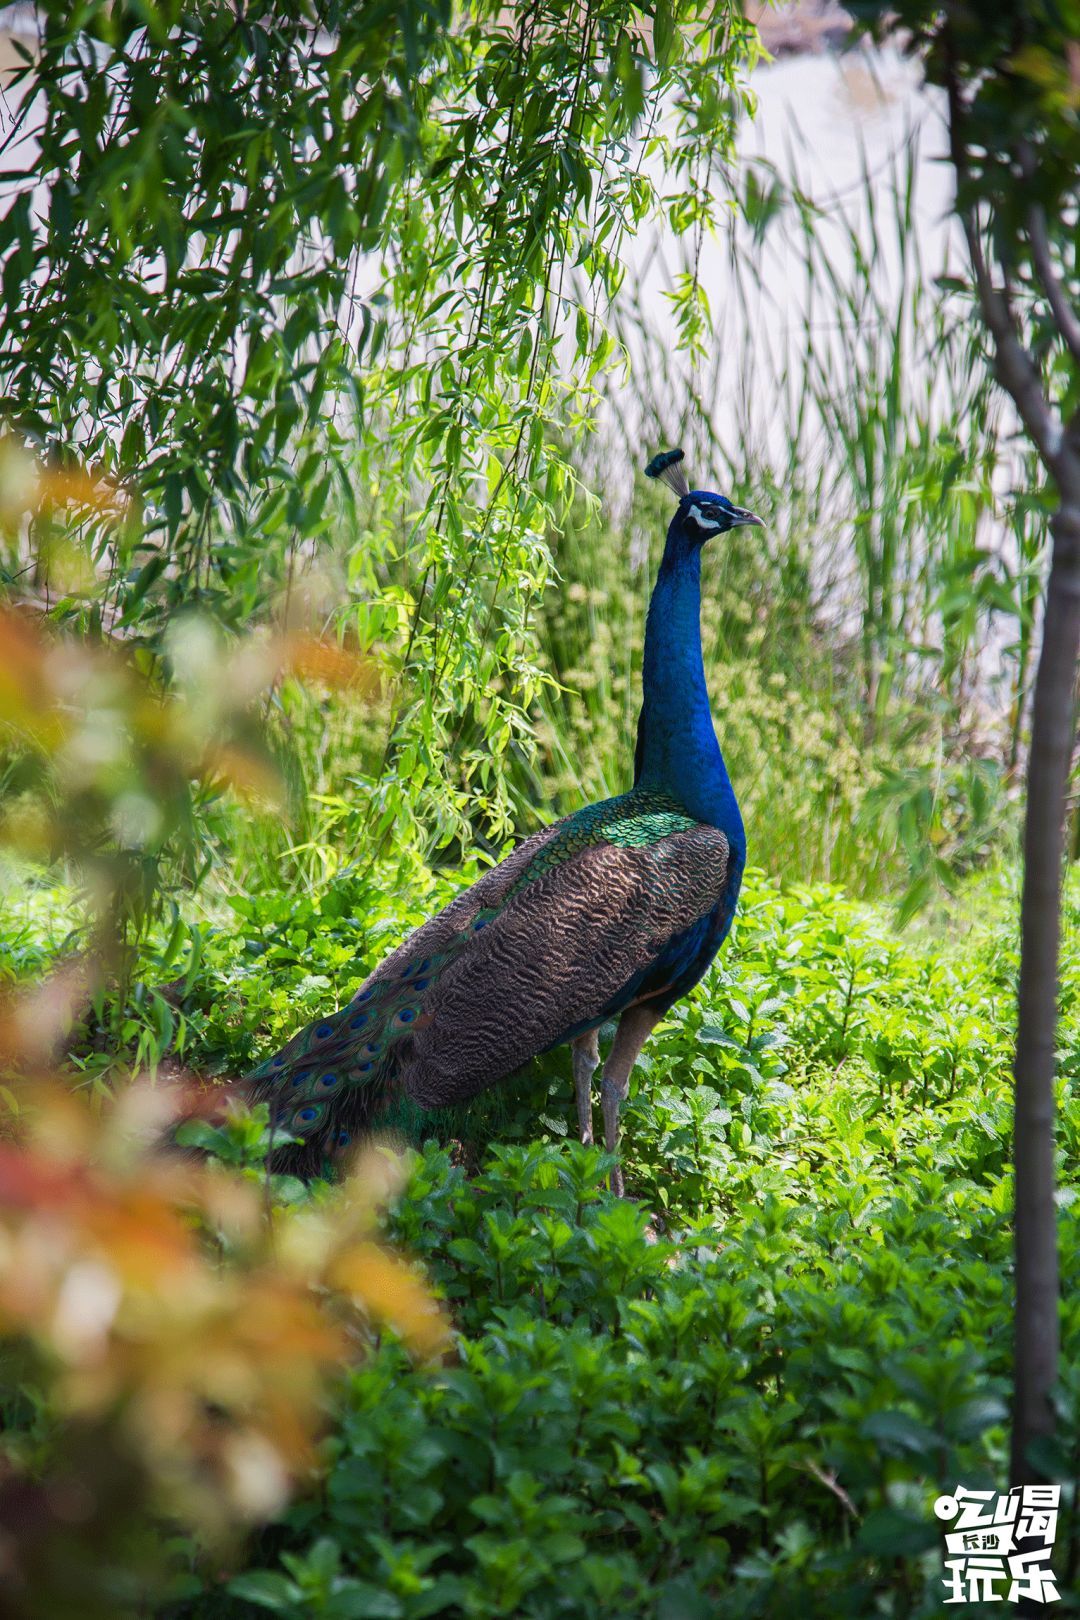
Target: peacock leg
[586,1056]
[631,1035]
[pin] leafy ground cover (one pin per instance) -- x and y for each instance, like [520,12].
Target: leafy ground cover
[745,1386]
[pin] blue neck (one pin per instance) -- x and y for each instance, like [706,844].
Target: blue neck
[677,751]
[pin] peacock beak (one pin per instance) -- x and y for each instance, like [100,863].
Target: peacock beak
[745,520]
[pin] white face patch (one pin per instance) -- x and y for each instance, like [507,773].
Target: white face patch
[701,520]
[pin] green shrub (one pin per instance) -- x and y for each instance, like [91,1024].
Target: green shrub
[743,1390]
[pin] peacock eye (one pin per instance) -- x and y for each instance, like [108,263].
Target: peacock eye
[359,1021]
[329,1079]
[343,1138]
[406,1015]
[365,995]
[278,1062]
[706,518]
[324,1030]
[363,1068]
[306,1115]
[421,984]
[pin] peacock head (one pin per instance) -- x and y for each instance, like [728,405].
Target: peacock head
[702,513]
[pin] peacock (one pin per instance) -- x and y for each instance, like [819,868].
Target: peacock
[614,912]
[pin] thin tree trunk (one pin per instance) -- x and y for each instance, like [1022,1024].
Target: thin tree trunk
[1037,1305]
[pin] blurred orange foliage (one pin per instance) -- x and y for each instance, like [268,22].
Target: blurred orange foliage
[167,1310]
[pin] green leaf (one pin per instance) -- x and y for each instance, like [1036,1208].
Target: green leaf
[897,1432]
[893,1534]
[665,33]
[266,1589]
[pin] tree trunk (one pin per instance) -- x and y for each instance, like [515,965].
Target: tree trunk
[1036,1322]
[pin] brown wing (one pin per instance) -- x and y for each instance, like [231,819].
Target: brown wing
[558,951]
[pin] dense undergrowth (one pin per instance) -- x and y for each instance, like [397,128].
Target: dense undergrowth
[745,1387]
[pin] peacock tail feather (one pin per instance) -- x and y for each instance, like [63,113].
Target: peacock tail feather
[333,1075]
